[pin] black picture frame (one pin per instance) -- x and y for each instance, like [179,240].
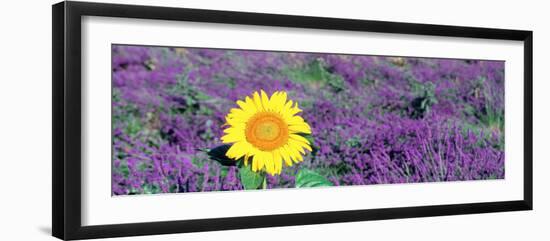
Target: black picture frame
[66,167]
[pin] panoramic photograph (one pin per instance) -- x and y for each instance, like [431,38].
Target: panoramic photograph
[201,119]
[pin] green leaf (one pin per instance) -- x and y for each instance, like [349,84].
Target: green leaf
[308,137]
[218,154]
[250,179]
[309,178]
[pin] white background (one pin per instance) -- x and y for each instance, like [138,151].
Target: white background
[25,122]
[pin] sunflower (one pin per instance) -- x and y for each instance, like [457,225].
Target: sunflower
[267,131]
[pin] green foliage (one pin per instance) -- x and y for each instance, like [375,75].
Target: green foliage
[128,113]
[485,134]
[151,189]
[426,99]
[250,179]
[124,170]
[309,178]
[224,171]
[491,119]
[316,73]
[134,126]
[354,142]
[191,95]
[488,115]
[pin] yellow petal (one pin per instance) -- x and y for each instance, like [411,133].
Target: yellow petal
[279,101]
[234,121]
[230,138]
[239,113]
[273,101]
[278,161]
[295,120]
[258,101]
[265,101]
[254,164]
[294,154]
[246,158]
[295,110]
[300,146]
[283,98]
[258,160]
[288,110]
[288,106]
[303,128]
[235,130]
[286,155]
[250,103]
[296,145]
[238,150]
[269,164]
[247,107]
[299,138]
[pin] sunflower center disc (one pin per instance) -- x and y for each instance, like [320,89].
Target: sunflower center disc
[267,131]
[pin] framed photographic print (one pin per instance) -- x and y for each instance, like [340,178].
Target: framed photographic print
[169,120]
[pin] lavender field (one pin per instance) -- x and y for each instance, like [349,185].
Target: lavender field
[373,119]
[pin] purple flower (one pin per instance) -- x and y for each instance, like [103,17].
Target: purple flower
[374,119]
